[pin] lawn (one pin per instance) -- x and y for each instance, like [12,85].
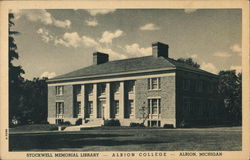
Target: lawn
[129,139]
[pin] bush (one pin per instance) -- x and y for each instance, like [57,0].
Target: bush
[184,124]
[112,122]
[136,124]
[168,126]
[44,122]
[79,121]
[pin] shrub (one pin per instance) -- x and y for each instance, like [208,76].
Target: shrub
[79,121]
[132,124]
[168,126]
[112,122]
[44,122]
[184,124]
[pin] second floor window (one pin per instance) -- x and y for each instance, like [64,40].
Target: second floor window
[59,90]
[154,83]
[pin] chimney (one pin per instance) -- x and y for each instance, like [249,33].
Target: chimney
[160,49]
[99,58]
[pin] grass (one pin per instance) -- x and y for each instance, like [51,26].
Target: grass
[129,139]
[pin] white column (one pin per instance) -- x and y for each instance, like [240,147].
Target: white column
[107,107]
[121,101]
[150,108]
[150,111]
[94,100]
[83,101]
[157,101]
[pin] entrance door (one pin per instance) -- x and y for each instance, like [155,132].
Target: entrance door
[100,108]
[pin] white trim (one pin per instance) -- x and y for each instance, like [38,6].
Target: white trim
[59,100]
[113,79]
[157,97]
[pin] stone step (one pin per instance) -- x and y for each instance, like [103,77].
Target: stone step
[90,124]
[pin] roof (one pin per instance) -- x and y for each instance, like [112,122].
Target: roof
[128,65]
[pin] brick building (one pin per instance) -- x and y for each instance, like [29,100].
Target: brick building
[156,88]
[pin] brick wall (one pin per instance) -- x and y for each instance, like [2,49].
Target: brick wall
[67,98]
[167,94]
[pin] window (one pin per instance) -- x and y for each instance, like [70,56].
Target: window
[90,107]
[116,107]
[154,106]
[59,109]
[130,107]
[154,83]
[186,84]
[131,85]
[59,90]
[78,108]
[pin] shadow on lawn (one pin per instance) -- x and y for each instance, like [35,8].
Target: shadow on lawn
[23,142]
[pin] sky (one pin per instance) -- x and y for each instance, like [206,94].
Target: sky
[55,42]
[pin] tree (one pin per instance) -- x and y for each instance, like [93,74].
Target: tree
[188,61]
[230,87]
[15,74]
[34,101]
[144,112]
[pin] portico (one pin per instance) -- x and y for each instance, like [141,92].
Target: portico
[105,100]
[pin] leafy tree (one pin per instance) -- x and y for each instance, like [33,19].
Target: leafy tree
[15,74]
[27,99]
[34,101]
[230,87]
[188,61]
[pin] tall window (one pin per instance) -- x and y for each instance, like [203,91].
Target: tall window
[116,107]
[59,90]
[59,109]
[154,83]
[130,107]
[154,106]
[78,108]
[90,107]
